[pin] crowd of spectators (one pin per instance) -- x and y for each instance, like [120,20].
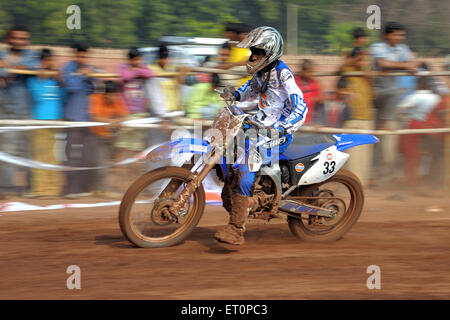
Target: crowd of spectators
[71,93]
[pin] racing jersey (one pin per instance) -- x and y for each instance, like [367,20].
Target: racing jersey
[282,104]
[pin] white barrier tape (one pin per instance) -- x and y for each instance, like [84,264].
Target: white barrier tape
[24,162]
[24,128]
[21,206]
[5,122]
[212,198]
[22,125]
[150,120]
[373,132]
[212,186]
[187,123]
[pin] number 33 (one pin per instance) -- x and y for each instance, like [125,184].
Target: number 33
[329,167]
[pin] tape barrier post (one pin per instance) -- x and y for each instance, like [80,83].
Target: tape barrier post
[447,148]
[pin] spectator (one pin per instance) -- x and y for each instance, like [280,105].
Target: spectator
[418,105]
[47,97]
[310,87]
[336,111]
[78,84]
[204,102]
[80,141]
[433,83]
[357,55]
[134,75]
[230,30]
[16,105]
[236,32]
[360,87]
[218,62]
[408,84]
[389,55]
[108,106]
[423,109]
[17,56]
[361,104]
[222,62]
[163,92]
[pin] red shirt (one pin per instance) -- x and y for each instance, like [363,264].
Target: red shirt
[311,93]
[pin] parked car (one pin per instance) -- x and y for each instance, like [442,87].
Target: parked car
[186,51]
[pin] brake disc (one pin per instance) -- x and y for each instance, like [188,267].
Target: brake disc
[338,206]
[161,215]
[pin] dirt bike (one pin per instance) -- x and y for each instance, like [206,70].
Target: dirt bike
[307,185]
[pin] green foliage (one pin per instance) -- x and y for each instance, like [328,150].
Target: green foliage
[324,26]
[5,21]
[339,38]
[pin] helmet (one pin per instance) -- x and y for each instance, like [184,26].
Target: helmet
[263,38]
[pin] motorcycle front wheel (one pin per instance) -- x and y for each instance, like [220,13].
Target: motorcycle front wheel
[144,217]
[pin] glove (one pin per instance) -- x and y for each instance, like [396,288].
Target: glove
[229,93]
[280,129]
[246,125]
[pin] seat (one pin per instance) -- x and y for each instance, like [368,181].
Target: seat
[307,144]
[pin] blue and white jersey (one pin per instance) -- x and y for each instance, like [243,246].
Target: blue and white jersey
[282,104]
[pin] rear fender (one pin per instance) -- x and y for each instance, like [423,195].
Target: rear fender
[346,141]
[326,164]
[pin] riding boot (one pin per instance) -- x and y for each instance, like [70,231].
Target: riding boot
[226,196]
[233,233]
[227,192]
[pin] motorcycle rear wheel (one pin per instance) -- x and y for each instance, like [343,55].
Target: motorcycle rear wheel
[302,229]
[144,218]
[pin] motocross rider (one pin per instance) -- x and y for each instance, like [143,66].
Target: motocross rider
[281,107]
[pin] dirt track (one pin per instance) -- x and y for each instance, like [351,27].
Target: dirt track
[410,246]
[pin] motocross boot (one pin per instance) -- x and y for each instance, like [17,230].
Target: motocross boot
[233,233]
[226,196]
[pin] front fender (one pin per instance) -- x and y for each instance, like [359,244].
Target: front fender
[170,149]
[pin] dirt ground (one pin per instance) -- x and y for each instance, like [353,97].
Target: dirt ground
[395,232]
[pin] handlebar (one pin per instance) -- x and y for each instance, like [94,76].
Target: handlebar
[228,102]
[256,124]
[231,102]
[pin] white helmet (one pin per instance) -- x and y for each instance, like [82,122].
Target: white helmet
[263,38]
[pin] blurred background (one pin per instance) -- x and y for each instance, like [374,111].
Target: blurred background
[142,59]
[324,26]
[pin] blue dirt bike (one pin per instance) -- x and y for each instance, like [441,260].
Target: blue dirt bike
[306,185]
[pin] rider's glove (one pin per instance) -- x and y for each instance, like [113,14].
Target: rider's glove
[229,94]
[281,131]
[246,125]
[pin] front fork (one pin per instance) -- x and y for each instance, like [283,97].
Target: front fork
[195,182]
